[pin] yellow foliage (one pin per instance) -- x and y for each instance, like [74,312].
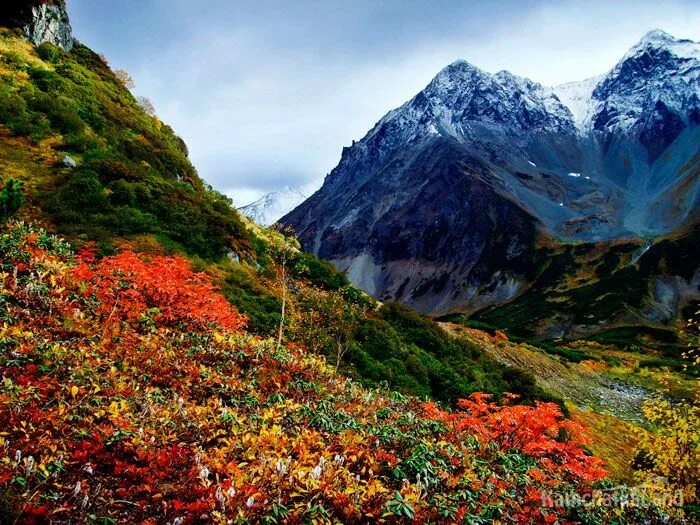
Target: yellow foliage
[670,456]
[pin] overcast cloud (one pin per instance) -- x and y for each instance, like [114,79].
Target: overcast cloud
[266,93]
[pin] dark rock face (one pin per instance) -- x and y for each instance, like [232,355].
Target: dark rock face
[41,20]
[659,128]
[447,220]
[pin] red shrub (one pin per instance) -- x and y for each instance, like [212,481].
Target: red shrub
[129,287]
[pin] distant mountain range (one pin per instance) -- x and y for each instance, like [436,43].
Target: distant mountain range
[457,200]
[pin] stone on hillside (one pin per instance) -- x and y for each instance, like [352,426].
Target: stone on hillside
[69,162]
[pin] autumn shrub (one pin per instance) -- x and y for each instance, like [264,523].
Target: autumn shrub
[668,457]
[79,142]
[399,347]
[12,108]
[121,192]
[132,394]
[64,119]
[127,286]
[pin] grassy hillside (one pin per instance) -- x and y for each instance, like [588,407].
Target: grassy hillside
[134,186]
[133,176]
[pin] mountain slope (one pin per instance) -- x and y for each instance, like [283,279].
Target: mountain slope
[130,185]
[127,174]
[452,201]
[184,418]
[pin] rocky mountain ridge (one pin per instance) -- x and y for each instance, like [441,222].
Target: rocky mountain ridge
[444,202]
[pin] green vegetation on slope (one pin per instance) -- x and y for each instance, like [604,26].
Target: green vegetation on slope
[413,354]
[604,291]
[133,183]
[133,176]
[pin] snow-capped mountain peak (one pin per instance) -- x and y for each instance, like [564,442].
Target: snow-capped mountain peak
[467,171]
[463,101]
[659,69]
[659,39]
[647,99]
[272,206]
[462,92]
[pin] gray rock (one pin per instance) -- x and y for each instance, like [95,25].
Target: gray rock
[46,22]
[41,20]
[68,162]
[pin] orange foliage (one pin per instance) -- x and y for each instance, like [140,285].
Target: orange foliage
[540,431]
[127,286]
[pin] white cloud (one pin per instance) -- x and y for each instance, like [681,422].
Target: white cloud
[267,93]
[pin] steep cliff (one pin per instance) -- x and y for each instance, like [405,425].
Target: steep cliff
[41,20]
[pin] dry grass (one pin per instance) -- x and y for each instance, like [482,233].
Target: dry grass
[613,440]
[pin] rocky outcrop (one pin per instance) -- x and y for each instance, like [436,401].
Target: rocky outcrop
[41,20]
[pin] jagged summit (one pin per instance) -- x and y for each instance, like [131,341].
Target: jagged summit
[462,98]
[656,36]
[463,93]
[658,69]
[466,102]
[659,38]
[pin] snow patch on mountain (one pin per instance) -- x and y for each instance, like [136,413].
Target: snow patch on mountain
[576,96]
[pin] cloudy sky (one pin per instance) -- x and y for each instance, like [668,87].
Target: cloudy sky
[266,93]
